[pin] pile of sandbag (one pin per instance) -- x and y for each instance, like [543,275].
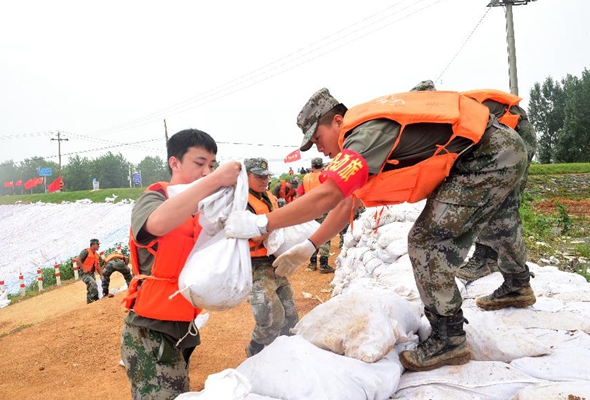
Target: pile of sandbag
[347,347]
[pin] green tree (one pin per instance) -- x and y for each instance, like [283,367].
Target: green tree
[9,172]
[29,168]
[547,113]
[153,169]
[573,142]
[78,174]
[111,170]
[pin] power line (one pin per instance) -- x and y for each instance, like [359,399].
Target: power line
[462,46]
[262,74]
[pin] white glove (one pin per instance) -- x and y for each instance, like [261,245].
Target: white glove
[293,258]
[242,224]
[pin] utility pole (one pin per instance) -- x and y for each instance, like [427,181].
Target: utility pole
[165,131]
[512,75]
[59,140]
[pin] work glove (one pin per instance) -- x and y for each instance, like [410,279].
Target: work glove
[242,225]
[293,258]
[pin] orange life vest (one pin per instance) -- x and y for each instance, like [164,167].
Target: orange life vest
[414,183]
[260,207]
[504,98]
[151,299]
[286,192]
[113,256]
[311,181]
[91,262]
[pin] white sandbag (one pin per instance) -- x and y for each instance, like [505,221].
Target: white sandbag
[217,274]
[291,368]
[4,301]
[362,324]
[565,364]
[492,339]
[561,339]
[565,320]
[555,391]
[99,285]
[281,240]
[228,384]
[474,380]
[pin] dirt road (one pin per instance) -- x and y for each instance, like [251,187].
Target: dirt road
[55,346]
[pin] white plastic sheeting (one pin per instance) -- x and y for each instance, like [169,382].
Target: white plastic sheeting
[38,235]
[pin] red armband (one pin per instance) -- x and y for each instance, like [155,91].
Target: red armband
[348,170]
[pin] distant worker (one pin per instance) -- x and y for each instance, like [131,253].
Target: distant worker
[115,261]
[291,172]
[271,298]
[286,190]
[89,260]
[310,181]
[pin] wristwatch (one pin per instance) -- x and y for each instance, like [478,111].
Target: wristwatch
[262,223]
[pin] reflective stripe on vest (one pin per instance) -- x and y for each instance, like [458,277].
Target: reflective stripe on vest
[506,99]
[468,119]
[151,298]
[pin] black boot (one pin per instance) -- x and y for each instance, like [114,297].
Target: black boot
[324,267]
[483,262]
[516,291]
[313,262]
[446,344]
[254,348]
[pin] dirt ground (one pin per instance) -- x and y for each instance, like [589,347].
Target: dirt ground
[55,346]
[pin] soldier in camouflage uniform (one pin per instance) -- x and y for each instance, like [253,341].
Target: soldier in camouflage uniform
[159,334]
[89,262]
[371,160]
[311,181]
[271,298]
[115,262]
[484,260]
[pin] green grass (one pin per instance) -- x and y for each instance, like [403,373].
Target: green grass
[559,169]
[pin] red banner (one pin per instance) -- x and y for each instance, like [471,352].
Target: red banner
[19,183]
[31,183]
[55,185]
[293,156]
[8,184]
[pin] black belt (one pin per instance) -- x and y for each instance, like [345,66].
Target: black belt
[260,260]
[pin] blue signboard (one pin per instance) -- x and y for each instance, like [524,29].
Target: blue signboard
[45,171]
[137,178]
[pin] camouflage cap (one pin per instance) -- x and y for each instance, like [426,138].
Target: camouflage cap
[258,166]
[317,106]
[424,86]
[317,162]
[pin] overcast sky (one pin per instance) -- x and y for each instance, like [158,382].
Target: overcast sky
[106,74]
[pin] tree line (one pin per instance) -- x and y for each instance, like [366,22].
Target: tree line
[560,113]
[110,170]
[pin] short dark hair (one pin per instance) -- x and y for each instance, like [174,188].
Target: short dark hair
[180,142]
[92,241]
[326,119]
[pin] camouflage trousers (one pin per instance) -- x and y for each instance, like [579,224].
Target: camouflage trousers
[272,303]
[156,368]
[481,190]
[112,266]
[527,133]
[91,287]
[324,249]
